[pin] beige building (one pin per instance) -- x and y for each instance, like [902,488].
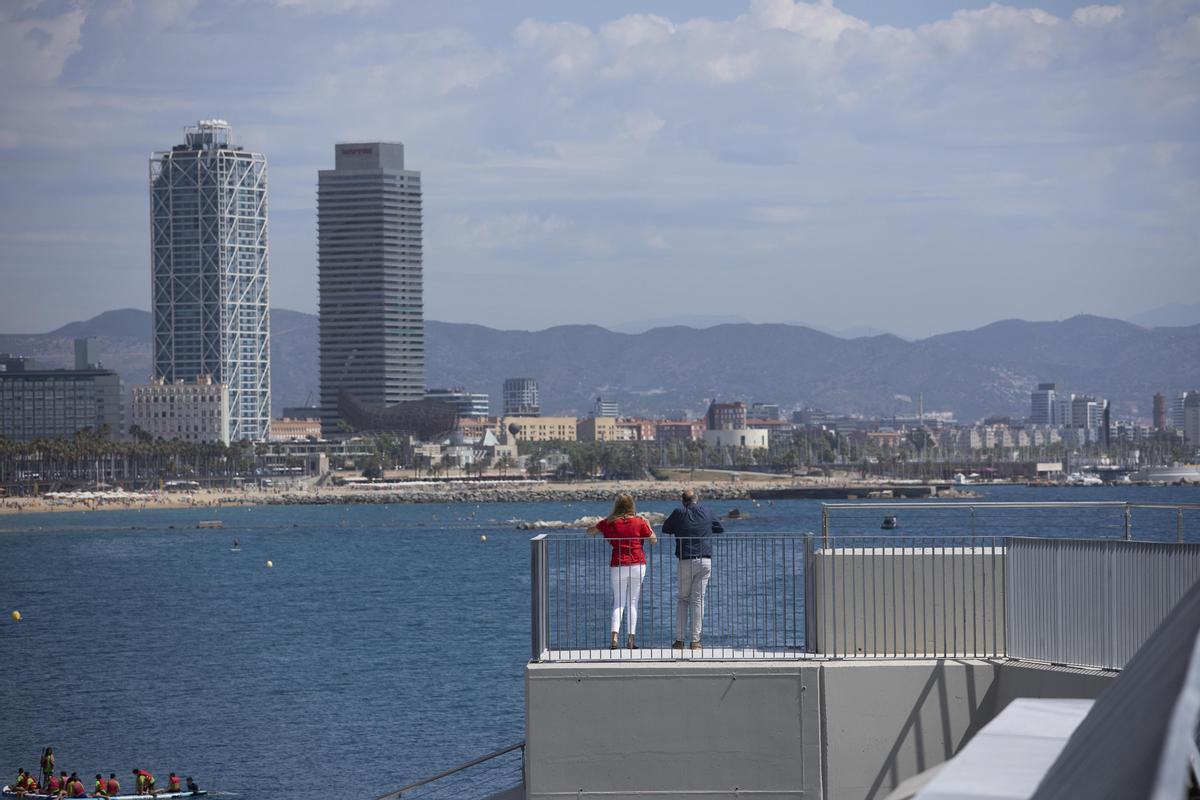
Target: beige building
[597,429]
[540,429]
[294,430]
[730,437]
[192,412]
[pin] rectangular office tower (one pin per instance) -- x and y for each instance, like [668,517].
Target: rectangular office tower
[372,320]
[208,244]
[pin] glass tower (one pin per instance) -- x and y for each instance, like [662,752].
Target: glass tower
[369,257]
[208,235]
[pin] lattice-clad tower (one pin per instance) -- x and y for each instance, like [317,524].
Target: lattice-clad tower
[369,258]
[208,253]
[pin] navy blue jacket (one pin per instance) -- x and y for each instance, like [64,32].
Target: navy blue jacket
[693,527]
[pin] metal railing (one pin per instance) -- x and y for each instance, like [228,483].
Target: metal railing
[496,775]
[753,607]
[938,585]
[1059,519]
[1092,603]
[908,596]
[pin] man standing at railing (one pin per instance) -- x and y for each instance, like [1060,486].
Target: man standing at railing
[692,526]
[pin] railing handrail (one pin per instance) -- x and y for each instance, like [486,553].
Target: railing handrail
[451,771]
[866,503]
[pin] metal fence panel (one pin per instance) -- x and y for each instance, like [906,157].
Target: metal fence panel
[1091,603]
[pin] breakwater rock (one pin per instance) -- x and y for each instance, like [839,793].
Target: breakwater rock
[523,493]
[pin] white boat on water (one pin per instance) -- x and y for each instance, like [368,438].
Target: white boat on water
[1084,479]
[1186,473]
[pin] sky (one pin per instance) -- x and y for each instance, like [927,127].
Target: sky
[913,167]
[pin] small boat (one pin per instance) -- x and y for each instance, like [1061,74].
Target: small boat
[210,523]
[890,523]
[8,791]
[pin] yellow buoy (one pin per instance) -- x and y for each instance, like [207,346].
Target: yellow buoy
[270,564]
[16,615]
[483,537]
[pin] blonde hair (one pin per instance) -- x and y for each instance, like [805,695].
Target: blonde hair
[623,507]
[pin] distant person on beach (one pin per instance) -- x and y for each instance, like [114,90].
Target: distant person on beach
[692,526]
[624,530]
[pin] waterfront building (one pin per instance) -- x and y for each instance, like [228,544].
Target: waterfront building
[726,416]
[196,411]
[1042,408]
[208,239]
[765,411]
[539,429]
[596,429]
[1160,412]
[521,398]
[468,405]
[58,403]
[734,437]
[1178,407]
[1191,418]
[686,430]
[606,408]
[632,429]
[294,430]
[370,280]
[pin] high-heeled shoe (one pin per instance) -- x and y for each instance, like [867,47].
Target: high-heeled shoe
[630,643]
[613,645]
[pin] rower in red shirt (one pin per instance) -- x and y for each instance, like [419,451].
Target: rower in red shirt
[173,783]
[75,787]
[114,786]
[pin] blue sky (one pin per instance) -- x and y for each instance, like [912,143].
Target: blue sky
[917,167]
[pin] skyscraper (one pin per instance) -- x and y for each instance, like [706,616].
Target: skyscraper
[369,259]
[208,246]
[1160,411]
[1041,406]
[521,398]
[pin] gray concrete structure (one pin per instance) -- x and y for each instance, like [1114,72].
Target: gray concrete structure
[369,257]
[837,730]
[209,255]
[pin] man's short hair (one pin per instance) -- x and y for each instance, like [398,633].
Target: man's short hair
[688,497]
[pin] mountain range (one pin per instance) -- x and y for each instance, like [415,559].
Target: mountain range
[675,369]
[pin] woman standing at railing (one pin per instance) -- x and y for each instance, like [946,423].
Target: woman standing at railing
[624,530]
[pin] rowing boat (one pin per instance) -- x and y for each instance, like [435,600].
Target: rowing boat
[8,791]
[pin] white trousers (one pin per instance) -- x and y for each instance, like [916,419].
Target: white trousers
[627,588]
[693,583]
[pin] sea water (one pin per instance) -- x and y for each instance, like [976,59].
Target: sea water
[385,643]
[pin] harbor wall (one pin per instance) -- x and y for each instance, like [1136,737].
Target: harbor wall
[842,730]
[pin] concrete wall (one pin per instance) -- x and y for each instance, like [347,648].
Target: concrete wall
[683,729]
[909,601]
[843,730]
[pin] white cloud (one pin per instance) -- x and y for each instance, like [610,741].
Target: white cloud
[1097,15]
[1182,41]
[307,7]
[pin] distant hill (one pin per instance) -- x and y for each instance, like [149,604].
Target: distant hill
[1170,315]
[989,370]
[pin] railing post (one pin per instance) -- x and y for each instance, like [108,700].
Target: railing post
[1179,525]
[824,526]
[809,593]
[972,521]
[539,591]
[1128,522]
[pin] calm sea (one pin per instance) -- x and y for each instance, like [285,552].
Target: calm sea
[385,644]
